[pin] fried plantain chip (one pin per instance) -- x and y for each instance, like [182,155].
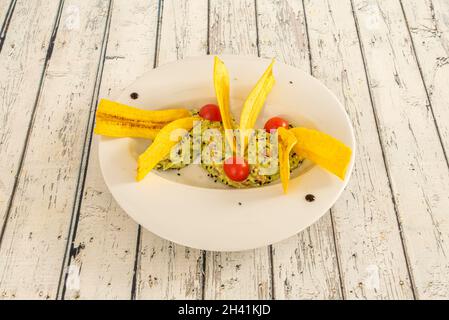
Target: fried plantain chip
[121,130]
[221,84]
[254,103]
[322,149]
[113,110]
[161,146]
[287,141]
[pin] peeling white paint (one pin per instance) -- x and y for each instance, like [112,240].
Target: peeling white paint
[371,277]
[2,191]
[72,20]
[372,17]
[73,277]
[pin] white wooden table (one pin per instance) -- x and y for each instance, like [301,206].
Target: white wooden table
[62,236]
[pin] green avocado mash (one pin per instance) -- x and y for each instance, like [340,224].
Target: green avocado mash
[215,170]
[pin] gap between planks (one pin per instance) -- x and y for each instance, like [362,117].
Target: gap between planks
[332,219]
[134,286]
[381,142]
[79,190]
[415,55]
[88,141]
[32,118]
[49,72]
[6,21]
[104,266]
[421,208]
[270,247]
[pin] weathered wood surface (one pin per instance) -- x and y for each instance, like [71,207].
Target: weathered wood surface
[34,241]
[167,270]
[304,266]
[63,236]
[415,159]
[6,9]
[103,254]
[371,256]
[428,23]
[241,275]
[22,62]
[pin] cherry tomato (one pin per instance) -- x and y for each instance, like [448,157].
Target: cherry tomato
[210,112]
[275,123]
[236,169]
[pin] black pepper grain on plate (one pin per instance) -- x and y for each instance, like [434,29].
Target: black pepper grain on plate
[310,198]
[134,95]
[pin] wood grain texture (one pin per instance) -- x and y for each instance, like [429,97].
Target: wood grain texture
[183,30]
[428,22]
[304,266]
[22,61]
[34,241]
[167,270]
[236,275]
[5,18]
[4,6]
[415,160]
[232,27]
[370,252]
[393,84]
[102,261]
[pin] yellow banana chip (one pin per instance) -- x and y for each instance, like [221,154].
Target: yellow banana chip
[322,149]
[255,101]
[161,146]
[221,83]
[287,141]
[113,110]
[121,130]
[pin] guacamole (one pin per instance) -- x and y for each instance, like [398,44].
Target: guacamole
[215,170]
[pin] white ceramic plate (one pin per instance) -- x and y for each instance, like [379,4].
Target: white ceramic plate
[193,210]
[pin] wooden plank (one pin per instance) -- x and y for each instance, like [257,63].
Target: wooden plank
[429,26]
[5,7]
[104,267]
[34,241]
[415,160]
[6,10]
[166,270]
[22,61]
[305,266]
[370,252]
[183,30]
[232,27]
[239,275]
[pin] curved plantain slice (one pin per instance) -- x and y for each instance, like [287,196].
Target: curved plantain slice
[121,130]
[255,101]
[123,113]
[324,150]
[287,141]
[161,146]
[221,84]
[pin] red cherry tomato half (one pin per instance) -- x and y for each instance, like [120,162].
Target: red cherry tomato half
[275,123]
[210,112]
[236,169]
